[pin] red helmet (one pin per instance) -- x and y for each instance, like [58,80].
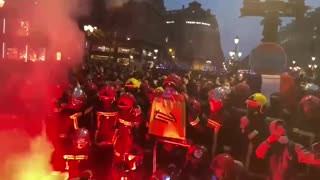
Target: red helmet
[78,97]
[108,94]
[217,97]
[126,102]
[81,138]
[173,80]
[223,162]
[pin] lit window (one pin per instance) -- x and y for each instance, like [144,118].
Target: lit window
[123,50]
[128,51]
[123,61]
[102,48]
[101,57]
[199,23]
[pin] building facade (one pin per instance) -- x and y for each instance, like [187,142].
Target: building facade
[301,40]
[132,34]
[19,41]
[193,36]
[22,36]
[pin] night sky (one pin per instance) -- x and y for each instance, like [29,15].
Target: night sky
[230,24]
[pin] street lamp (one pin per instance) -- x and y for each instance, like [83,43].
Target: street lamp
[235,54]
[236,40]
[293,62]
[231,53]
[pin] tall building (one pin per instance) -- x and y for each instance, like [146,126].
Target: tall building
[133,33]
[193,36]
[301,40]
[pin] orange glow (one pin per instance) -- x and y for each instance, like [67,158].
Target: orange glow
[2,2]
[33,164]
[58,56]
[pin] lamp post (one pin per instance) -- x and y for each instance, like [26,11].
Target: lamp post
[313,64]
[235,54]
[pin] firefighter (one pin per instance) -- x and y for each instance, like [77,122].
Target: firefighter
[106,115]
[78,158]
[75,113]
[135,87]
[253,129]
[82,110]
[218,121]
[174,121]
[128,122]
[174,106]
[127,137]
[234,109]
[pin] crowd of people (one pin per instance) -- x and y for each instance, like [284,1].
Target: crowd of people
[177,124]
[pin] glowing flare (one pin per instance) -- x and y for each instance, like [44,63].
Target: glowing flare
[2,2]
[58,56]
[33,164]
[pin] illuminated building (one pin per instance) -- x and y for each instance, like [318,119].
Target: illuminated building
[19,41]
[133,33]
[193,36]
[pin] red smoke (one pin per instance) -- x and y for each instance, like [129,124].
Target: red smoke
[27,93]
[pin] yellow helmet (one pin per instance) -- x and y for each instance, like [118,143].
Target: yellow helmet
[160,89]
[132,83]
[257,98]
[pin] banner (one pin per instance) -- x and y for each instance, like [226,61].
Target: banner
[168,117]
